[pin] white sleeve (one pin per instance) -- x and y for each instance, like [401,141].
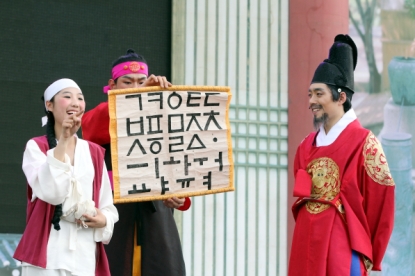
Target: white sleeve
[48,177]
[106,205]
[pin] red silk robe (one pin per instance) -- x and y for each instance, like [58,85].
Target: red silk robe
[346,202]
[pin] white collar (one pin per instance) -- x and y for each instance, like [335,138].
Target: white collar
[324,139]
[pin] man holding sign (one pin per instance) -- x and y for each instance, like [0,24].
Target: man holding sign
[145,240]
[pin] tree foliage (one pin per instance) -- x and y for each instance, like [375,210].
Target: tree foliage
[363,22]
[410,6]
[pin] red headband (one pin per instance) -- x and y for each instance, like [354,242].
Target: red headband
[125,68]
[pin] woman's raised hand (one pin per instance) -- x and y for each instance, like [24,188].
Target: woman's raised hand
[71,124]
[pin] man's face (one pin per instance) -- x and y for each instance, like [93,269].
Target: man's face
[128,81]
[321,103]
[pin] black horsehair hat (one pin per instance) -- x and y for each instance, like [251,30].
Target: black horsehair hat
[338,69]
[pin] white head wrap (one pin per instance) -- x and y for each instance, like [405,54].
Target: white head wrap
[53,89]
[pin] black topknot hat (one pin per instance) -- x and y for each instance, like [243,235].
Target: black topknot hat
[338,69]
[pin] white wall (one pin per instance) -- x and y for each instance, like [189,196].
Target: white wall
[242,44]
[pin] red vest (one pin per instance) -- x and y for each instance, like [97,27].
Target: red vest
[33,245]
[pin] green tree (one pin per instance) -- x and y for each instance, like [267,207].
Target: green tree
[410,6]
[366,12]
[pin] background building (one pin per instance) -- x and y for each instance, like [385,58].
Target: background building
[242,44]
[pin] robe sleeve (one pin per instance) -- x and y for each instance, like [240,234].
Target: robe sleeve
[302,183]
[379,195]
[96,123]
[186,205]
[302,180]
[107,207]
[297,162]
[48,177]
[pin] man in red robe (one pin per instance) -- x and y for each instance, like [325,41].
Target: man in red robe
[146,239]
[345,207]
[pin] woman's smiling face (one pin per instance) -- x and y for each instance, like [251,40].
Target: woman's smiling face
[66,102]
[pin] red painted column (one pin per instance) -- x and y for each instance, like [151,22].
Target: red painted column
[313,24]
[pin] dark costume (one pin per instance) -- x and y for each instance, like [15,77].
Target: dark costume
[150,225]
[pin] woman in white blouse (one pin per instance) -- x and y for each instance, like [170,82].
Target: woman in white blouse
[69,188]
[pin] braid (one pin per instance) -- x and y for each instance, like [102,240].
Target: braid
[50,130]
[50,135]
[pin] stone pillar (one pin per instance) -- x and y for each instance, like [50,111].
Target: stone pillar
[399,118]
[399,254]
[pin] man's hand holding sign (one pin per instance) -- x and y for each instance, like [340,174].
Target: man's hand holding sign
[170,143]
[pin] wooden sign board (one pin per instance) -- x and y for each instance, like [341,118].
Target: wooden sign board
[173,142]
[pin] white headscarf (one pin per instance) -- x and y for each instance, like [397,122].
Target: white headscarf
[53,89]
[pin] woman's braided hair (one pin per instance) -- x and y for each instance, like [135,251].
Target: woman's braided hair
[50,135]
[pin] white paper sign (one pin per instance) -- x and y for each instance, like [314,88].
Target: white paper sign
[174,142]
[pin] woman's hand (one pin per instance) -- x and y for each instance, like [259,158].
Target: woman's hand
[98,221]
[71,124]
